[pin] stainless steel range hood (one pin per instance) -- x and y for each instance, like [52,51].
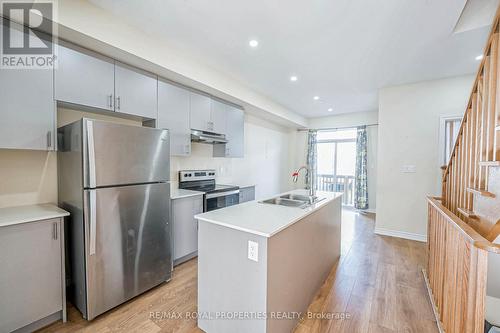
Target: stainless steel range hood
[207,137]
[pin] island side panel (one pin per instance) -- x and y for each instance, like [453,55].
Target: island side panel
[299,261]
[229,282]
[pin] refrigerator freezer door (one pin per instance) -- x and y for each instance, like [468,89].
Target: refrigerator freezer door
[128,242]
[117,154]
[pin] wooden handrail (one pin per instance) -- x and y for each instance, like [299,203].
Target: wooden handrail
[460,238]
[495,28]
[476,239]
[477,146]
[457,270]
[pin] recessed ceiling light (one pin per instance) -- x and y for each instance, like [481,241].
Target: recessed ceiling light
[330,110]
[293,78]
[479,57]
[316,98]
[253,43]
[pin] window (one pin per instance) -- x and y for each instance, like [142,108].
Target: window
[346,134]
[346,158]
[326,158]
[336,162]
[337,152]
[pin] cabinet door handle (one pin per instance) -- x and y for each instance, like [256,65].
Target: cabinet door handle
[91,153]
[55,232]
[49,139]
[92,222]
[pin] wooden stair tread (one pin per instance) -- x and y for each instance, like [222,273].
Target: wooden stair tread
[494,232]
[484,193]
[489,163]
[468,213]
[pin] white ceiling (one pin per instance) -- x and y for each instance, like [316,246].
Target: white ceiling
[341,50]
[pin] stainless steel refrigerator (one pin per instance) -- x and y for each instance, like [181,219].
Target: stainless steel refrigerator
[114,180]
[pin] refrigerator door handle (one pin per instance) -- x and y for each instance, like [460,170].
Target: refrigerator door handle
[92,221]
[91,153]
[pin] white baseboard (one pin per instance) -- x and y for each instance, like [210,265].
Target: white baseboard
[492,315]
[401,234]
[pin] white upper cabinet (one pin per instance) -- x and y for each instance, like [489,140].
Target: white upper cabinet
[235,134]
[27,107]
[173,114]
[92,80]
[218,117]
[201,107]
[207,114]
[85,78]
[135,92]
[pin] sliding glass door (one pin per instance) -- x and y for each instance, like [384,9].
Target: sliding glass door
[337,163]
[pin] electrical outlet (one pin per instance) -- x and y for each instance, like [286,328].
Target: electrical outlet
[253,251]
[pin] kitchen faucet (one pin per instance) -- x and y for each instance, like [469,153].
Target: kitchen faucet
[312,186]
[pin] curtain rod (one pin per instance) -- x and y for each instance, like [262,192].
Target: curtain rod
[333,128]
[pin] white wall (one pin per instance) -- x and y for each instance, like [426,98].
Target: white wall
[409,135]
[345,120]
[27,177]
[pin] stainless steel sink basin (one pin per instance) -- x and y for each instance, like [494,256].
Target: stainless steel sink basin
[293,200]
[285,202]
[305,198]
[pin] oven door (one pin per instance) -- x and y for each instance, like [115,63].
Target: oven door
[219,200]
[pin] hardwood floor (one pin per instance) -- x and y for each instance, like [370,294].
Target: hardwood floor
[377,286]
[378,282]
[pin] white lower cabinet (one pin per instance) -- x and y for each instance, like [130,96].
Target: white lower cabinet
[31,282]
[247,194]
[185,227]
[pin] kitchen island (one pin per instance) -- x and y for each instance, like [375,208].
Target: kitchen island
[260,264]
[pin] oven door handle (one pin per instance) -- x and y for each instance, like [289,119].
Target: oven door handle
[221,194]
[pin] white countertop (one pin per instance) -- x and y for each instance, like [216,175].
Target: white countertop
[31,213]
[177,193]
[245,186]
[264,219]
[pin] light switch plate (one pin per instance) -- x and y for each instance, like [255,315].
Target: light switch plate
[409,169]
[253,251]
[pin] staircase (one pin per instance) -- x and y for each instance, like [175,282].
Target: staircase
[472,176]
[465,221]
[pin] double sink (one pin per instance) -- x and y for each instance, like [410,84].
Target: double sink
[293,200]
